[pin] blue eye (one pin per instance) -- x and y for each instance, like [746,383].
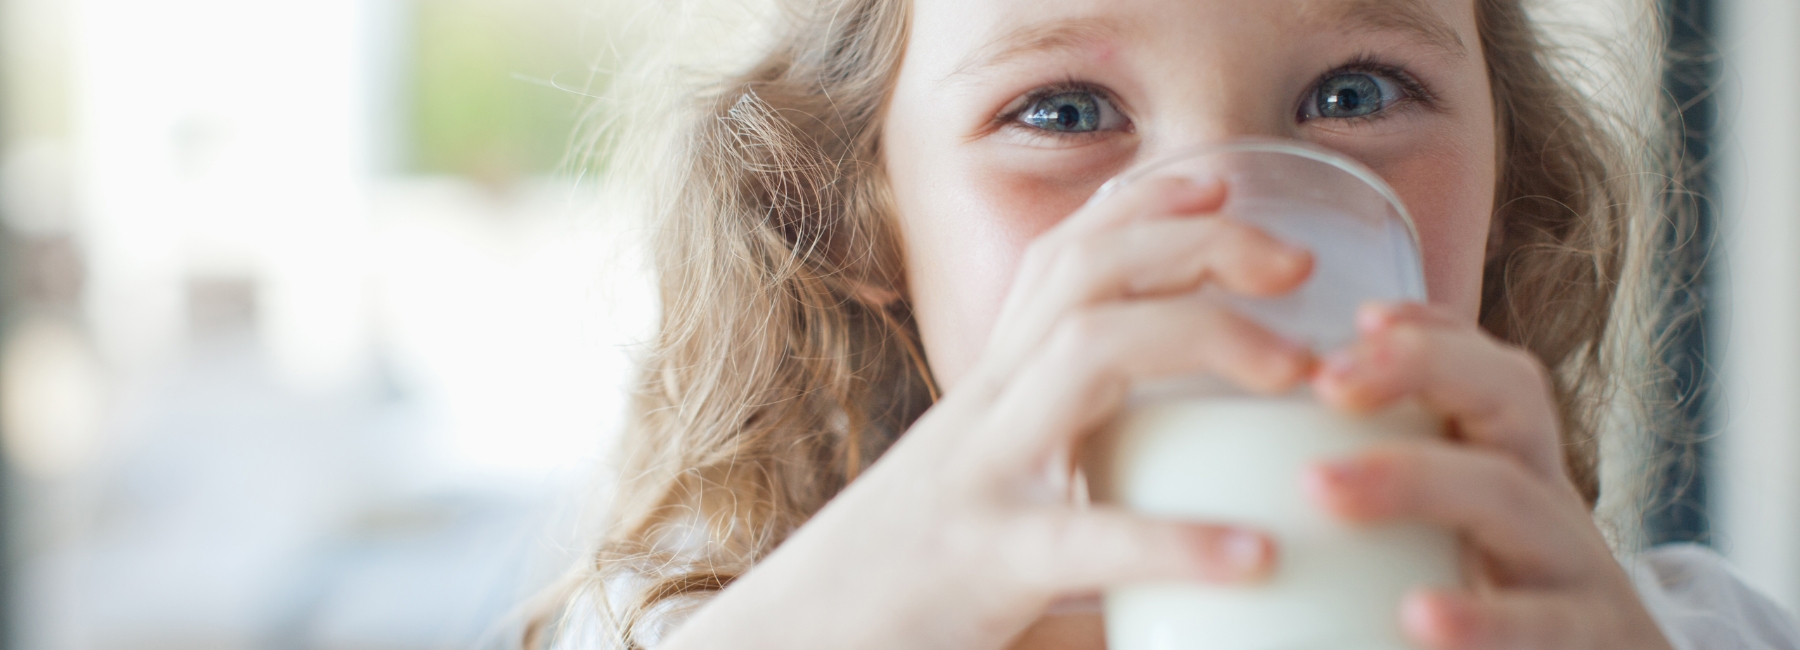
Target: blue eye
[1351,94]
[1071,112]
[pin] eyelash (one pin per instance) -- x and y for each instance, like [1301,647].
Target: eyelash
[1412,90]
[1009,118]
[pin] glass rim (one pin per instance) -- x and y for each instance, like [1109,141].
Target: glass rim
[1273,145]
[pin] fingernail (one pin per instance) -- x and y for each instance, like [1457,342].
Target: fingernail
[1293,259]
[1245,550]
[1343,473]
[1189,196]
[1346,489]
[1177,188]
[1435,618]
[1372,317]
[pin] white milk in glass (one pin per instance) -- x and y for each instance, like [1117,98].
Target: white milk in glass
[1197,449]
[1239,461]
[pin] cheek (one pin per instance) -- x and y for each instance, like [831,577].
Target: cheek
[1016,208]
[967,223]
[1018,204]
[1450,194]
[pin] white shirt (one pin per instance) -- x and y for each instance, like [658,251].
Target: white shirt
[1701,603]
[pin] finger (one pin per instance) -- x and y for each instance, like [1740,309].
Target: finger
[1061,551]
[1169,255]
[1156,197]
[1456,620]
[1533,534]
[1165,196]
[1148,258]
[1151,258]
[1036,298]
[1143,258]
[1375,316]
[1079,378]
[1494,395]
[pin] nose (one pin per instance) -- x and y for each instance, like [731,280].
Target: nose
[1195,131]
[1210,104]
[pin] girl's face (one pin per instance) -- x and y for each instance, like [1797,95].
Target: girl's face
[1008,114]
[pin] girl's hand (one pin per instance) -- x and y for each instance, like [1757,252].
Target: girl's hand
[1545,578]
[966,530]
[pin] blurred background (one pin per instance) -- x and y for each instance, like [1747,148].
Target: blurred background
[311,337]
[315,316]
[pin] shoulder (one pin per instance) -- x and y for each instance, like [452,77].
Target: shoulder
[1702,604]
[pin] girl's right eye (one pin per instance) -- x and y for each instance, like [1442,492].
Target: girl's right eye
[1072,111]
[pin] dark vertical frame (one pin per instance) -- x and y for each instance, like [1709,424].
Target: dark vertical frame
[1678,507]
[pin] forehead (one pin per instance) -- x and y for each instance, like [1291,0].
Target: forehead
[975,33]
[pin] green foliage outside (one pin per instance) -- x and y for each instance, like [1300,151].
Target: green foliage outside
[483,105]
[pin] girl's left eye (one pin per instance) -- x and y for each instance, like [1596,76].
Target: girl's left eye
[1074,111]
[1351,95]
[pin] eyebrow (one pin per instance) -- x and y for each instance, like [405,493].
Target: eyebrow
[1065,35]
[1412,17]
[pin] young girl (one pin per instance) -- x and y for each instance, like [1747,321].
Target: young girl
[891,316]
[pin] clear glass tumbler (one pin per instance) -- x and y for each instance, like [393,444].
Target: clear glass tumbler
[1198,448]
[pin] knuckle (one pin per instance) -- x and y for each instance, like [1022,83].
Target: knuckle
[1404,470]
[1511,481]
[1031,549]
[1044,553]
[1409,342]
[1505,480]
[1527,367]
[1097,538]
[1083,338]
[1083,258]
[1238,234]
[1237,245]
[1531,420]
[1215,328]
[1154,193]
[1468,628]
[1415,312]
[1041,254]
